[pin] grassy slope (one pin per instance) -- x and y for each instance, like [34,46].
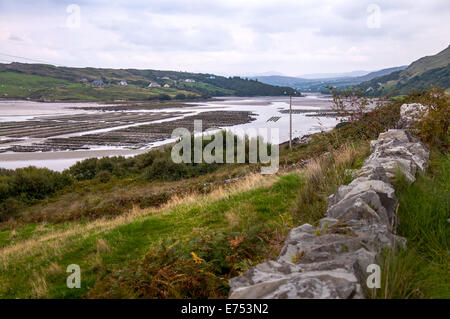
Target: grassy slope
[17,76]
[421,74]
[427,63]
[21,86]
[34,257]
[38,87]
[422,270]
[128,237]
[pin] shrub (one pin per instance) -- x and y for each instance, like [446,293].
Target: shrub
[9,208]
[91,167]
[164,168]
[433,127]
[162,273]
[180,96]
[196,268]
[26,185]
[163,97]
[365,117]
[104,176]
[36,183]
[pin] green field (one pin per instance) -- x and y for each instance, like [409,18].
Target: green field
[35,87]
[50,83]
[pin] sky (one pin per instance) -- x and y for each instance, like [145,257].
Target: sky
[228,37]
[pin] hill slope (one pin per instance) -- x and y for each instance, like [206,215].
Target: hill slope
[423,73]
[48,82]
[320,85]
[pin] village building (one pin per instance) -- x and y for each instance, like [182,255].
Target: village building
[98,83]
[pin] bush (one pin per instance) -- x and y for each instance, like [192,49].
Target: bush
[365,117]
[91,167]
[36,183]
[9,208]
[433,127]
[165,169]
[26,185]
[180,96]
[197,268]
[104,176]
[162,273]
[163,97]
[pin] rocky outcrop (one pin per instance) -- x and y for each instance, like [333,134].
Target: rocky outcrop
[409,113]
[330,261]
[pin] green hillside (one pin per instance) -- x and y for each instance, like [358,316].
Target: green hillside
[421,74]
[48,82]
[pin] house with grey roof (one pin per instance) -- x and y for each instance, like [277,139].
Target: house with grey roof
[98,83]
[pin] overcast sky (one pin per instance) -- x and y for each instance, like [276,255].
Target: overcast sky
[225,36]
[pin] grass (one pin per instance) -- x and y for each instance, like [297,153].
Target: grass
[79,92]
[324,175]
[422,269]
[130,236]
[15,85]
[229,230]
[36,87]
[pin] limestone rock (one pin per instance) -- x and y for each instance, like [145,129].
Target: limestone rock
[410,114]
[330,261]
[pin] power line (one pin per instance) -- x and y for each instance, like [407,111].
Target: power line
[24,58]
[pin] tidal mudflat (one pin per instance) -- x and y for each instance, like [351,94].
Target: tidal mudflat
[56,135]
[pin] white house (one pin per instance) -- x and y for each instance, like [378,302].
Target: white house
[154,85]
[189,80]
[166,85]
[124,83]
[98,83]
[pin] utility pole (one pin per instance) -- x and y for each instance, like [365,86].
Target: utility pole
[290,121]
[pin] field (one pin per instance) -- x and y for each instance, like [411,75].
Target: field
[145,227]
[241,216]
[41,88]
[43,82]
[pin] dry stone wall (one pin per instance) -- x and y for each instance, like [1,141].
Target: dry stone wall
[330,261]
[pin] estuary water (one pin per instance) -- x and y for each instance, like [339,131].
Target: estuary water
[269,112]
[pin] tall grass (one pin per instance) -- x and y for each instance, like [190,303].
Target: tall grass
[323,175]
[422,269]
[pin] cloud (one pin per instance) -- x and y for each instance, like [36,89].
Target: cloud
[226,36]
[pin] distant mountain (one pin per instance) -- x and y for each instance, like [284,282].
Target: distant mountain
[316,76]
[48,82]
[382,72]
[268,73]
[320,85]
[281,80]
[422,73]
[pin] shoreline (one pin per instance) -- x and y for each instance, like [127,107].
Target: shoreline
[84,154]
